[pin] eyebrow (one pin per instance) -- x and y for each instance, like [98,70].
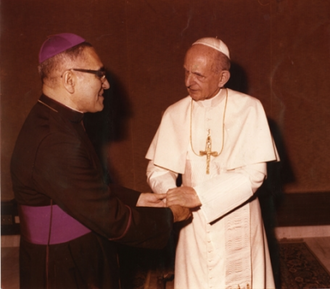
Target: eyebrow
[194,72]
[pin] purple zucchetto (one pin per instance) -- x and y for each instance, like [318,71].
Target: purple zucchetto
[214,43]
[58,43]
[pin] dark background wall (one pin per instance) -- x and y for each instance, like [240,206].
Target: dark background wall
[280,51]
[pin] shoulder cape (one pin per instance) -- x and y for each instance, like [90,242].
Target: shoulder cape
[247,136]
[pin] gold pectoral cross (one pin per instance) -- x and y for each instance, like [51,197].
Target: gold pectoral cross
[208,152]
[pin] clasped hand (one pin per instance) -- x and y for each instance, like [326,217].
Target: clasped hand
[183,196]
[151,200]
[158,200]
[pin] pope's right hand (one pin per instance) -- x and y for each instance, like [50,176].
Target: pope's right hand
[180,213]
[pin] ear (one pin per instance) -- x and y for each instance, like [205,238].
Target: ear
[224,77]
[69,81]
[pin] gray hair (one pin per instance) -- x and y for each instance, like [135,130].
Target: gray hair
[57,62]
[221,62]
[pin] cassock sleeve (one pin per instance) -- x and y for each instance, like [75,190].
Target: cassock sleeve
[229,190]
[126,195]
[160,180]
[219,195]
[66,170]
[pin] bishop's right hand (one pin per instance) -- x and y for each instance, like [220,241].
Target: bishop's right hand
[180,213]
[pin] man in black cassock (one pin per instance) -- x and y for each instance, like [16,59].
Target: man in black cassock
[71,219]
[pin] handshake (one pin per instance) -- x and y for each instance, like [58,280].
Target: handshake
[180,200]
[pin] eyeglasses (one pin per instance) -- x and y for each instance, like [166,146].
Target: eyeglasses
[101,73]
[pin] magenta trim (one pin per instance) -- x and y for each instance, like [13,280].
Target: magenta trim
[35,224]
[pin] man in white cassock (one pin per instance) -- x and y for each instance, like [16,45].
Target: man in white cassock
[218,139]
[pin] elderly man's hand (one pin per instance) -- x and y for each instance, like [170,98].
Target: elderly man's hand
[182,196]
[180,213]
[151,200]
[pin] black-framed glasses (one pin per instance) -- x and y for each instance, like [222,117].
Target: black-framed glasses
[101,73]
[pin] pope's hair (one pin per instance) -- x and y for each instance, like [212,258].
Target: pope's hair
[221,62]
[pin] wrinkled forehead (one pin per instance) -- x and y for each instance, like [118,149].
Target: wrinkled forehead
[200,54]
[88,57]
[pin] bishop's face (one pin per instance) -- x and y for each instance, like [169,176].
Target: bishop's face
[201,81]
[90,88]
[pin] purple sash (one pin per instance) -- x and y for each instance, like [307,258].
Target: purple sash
[35,224]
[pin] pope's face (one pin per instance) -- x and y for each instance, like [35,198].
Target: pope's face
[90,88]
[201,81]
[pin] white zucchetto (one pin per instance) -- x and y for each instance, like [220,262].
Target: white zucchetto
[214,43]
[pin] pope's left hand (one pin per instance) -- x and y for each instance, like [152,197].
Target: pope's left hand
[151,200]
[183,196]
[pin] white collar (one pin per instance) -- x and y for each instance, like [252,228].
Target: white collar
[214,101]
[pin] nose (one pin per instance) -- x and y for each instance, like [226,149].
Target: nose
[188,79]
[105,83]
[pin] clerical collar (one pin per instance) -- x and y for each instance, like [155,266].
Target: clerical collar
[214,101]
[56,106]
